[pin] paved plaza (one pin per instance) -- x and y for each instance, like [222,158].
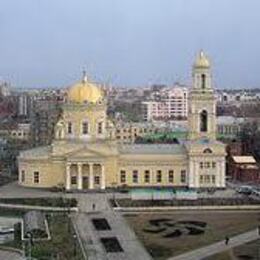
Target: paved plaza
[90,237]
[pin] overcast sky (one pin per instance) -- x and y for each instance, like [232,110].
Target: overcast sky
[128,42]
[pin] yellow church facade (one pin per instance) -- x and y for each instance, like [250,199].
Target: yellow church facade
[85,154]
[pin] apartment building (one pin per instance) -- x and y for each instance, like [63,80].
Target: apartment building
[167,103]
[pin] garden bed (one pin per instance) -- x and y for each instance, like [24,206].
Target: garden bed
[44,202]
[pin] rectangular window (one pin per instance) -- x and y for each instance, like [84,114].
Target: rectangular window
[85,128]
[97,180]
[73,180]
[207,164]
[207,178]
[201,179]
[213,165]
[69,128]
[171,176]
[122,176]
[213,179]
[100,127]
[159,176]
[22,176]
[183,176]
[201,165]
[36,177]
[135,176]
[147,176]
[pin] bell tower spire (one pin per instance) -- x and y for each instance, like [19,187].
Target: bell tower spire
[202,107]
[202,73]
[84,76]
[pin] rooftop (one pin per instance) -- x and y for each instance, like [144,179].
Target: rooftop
[39,152]
[228,120]
[152,149]
[244,159]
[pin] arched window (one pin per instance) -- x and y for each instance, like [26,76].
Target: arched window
[85,128]
[100,128]
[204,121]
[60,134]
[207,150]
[203,81]
[69,128]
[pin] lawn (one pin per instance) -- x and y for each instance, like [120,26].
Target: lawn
[170,234]
[198,202]
[62,244]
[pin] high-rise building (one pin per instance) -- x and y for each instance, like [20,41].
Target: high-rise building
[4,89]
[167,103]
[23,104]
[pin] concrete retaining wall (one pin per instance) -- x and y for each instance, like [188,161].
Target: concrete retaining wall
[31,207]
[241,207]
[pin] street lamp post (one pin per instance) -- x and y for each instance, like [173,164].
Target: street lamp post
[66,204]
[30,238]
[75,244]
[114,192]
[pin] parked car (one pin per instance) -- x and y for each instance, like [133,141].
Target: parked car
[58,188]
[256,192]
[246,190]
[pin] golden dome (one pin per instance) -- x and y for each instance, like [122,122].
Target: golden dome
[84,91]
[202,61]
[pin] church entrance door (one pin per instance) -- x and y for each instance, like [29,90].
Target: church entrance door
[85,182]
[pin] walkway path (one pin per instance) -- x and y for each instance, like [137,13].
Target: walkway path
[133,249]
[8,255]
[218,247]
[13,190]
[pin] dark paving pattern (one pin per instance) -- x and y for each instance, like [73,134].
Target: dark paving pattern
[111,244]
[101,224]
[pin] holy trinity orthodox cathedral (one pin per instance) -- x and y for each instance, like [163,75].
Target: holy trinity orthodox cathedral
[85,154]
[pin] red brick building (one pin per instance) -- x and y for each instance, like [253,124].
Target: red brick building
[234,148]
[244,169]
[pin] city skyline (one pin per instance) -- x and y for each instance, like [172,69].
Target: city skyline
[133,43]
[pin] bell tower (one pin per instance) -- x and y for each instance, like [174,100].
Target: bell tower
[202,106]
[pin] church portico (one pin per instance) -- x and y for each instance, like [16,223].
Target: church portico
[85,175]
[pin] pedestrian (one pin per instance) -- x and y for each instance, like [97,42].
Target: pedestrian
[259,230]
[93,206]
[226,240]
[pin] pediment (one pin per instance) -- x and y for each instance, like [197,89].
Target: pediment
[84,153]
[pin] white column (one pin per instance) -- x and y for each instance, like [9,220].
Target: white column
[103,177]
[91,176]
[196,174]
[68,177]
[218,174]
[191,174]
[79,176]
[223,173]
